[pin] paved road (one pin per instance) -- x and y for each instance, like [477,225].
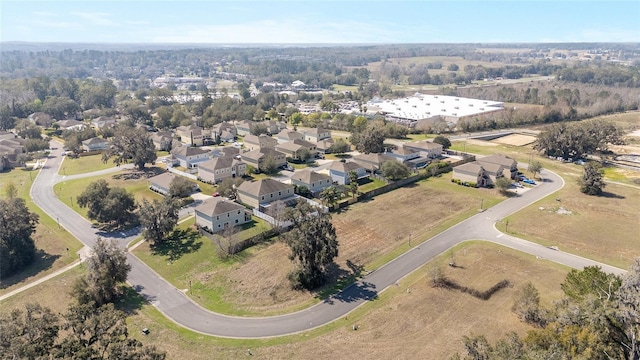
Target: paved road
[176,306]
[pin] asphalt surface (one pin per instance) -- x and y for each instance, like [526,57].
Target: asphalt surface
[180,309]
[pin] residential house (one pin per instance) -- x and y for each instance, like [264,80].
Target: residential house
[227,151]
[102,122]
[218,213]
[220,168]
[409,156]
[274,127]
[472,173]
[494,171]
[510,165]
[256,158]
[325,145]
[162,183]
[425,148]
[288,135]
[265,191]
[223,132]
[315,135]
[192,135]
[243,128]
[10,148]
[315,182]
[253,142]
[339,171]
[71,125]
[189,157]
[41,119]
[294,148]
[162,140]
[372,162]
[95,144]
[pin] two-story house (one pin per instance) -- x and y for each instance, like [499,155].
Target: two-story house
[372,162]
[410,157]
[294,148]
[257,158]
[315,182]
[189,157]
[510,165]
[220,168]
[243,128]
[286,135]
[339,171]
[218,214]
[265,191]
[223,132]
[315,135]
[274,127]
[253,142]
[472,173]
[95,144]
[162,140]
[191,135]
[162,183]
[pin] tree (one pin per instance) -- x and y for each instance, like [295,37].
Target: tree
[503,184]
[304,154]
[10,190]
[592,182]
[227,187]
[131,144]
[578,284]
[353,184]
[330,196]
[296,118]
[180,187]
[259,129]
[17,224]
[526,304]
[535,167]
[394,170]
[313,244]
[339,147]
[628,300]
[269,165]
[107,268]
[369,140]
[158,218]
[28,334]
[442,140]
[107,204]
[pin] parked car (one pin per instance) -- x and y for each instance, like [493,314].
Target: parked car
[529,181]
[216,194]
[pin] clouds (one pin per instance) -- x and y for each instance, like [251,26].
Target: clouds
[95,18]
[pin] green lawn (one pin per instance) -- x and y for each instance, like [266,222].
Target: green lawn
[68,191]
[83,164]
[372,184]
[51,240]
[198,261]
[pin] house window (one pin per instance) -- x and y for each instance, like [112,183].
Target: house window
[262,197]
[228,214]
[217,217]
[236,221]
[238,212]
[279,193]
[271,195]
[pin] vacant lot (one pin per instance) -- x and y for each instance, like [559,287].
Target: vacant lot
[83,165]
[370,234]
[412,320]
[51,241]
[515,140]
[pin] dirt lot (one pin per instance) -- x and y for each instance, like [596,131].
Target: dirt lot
[515,140]
[412,320]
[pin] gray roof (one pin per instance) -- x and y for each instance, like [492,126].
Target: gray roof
[163,180]
[309,176]
[258,154]
[498,159]
[472,167]
[423,145]
[223,162]
[373,158]
[218,206]
[263,187]
[187,151]
[94,140]
[345,167]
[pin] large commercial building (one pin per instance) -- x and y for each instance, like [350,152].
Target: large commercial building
[414,110]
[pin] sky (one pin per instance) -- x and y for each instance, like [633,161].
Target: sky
[322,22]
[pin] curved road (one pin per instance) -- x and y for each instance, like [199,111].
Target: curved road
[180,309]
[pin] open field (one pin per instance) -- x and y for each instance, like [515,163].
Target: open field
[68,191]
[83,164]
[412,320]
[255,281]
[51,241]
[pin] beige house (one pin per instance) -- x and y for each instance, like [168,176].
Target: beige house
[253,142]
[510,166]
[312,180]
[288,135]
[255,193]
[220,168]
[256,158]
[218,214]
[224,131]
[243,128]
[191,135]
[189,157]
[162,140]
[372,162]
[95,144]
[293,148]
[471,172]
[315,135]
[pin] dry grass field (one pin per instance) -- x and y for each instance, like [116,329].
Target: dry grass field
[515,140]
[412,320]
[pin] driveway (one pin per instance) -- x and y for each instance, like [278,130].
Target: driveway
[175,305]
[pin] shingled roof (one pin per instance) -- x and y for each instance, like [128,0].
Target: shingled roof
[263,187]
[218,206]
